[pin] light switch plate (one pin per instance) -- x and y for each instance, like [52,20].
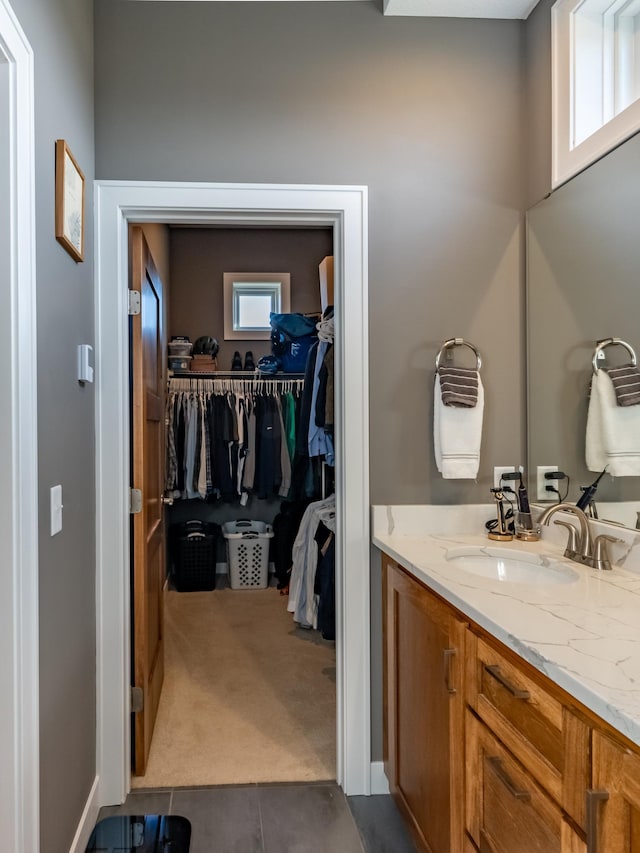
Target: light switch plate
[85,371]
[56,509]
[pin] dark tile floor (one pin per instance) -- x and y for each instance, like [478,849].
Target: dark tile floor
[314,818]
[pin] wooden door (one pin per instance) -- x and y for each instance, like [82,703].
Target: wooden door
[613,805]
[147,358]
[424,704]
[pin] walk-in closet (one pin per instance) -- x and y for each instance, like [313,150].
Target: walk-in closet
[243,622]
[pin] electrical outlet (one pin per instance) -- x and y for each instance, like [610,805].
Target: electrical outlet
[541,490]
[498,472]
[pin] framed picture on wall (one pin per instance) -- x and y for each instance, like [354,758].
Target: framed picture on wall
[69,202]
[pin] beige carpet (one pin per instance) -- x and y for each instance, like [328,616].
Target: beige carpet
[247,697]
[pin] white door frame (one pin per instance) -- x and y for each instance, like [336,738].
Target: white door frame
[118,203]
[19,724]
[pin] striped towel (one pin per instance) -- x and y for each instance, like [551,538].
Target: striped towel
[626,383]
[459,386]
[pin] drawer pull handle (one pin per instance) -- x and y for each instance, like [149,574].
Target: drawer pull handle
[448,654]
[495,763]
[594,798]
[496,672]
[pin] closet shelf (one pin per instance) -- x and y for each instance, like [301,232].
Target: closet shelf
[232,374]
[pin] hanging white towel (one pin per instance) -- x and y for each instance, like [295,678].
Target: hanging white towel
[457,433]
[613,431]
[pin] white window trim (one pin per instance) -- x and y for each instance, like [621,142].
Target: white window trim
[568,160]
[230,279]
[345,209]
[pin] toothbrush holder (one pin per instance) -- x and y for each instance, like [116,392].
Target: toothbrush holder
[526,529]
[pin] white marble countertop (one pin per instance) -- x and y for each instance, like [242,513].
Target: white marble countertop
[584,635]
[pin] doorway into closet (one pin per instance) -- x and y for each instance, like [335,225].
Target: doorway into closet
[244,670]
[119,204]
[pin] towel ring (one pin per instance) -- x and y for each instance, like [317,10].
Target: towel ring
[607,342]
[458,342]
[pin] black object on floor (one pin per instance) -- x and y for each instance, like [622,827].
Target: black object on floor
[151,833]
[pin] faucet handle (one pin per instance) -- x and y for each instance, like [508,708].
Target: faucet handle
[601,558]
[572,542]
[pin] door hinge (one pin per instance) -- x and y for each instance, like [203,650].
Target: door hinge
[137,700]
[135,501]
[134,302]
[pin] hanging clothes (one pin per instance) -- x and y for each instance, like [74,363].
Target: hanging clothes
[227,439]
[303,599]
[317,397]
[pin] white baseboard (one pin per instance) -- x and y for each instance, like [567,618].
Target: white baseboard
[379,782]
[87,821]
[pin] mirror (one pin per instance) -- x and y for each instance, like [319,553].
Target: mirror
[583,285]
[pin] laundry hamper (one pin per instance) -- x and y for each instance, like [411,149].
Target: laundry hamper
[248,553]
[193,551]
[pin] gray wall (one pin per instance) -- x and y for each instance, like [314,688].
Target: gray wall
[537,56]
[426,112]
[200,256]
[60,33]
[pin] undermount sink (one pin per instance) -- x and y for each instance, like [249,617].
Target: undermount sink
[510,565]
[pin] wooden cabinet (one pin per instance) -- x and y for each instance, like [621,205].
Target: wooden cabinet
[423,720]
[613,819]
[483,752]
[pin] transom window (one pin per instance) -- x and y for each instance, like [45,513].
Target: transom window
[249,299]
[596,80]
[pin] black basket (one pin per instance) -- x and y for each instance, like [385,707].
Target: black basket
[193,547]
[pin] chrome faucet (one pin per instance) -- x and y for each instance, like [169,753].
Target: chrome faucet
[579,547]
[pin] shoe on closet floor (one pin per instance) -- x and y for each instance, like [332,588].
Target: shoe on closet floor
[236,361]
[249,363]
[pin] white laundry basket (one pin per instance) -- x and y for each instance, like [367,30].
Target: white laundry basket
[248,553]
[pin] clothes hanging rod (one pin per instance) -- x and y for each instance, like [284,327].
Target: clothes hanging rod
[235,374]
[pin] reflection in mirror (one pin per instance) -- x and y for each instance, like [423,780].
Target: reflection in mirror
[583,285]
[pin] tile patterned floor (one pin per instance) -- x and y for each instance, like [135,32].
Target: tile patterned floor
[309,818]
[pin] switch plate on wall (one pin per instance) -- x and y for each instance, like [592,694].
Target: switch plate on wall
[56,509]
[498,472]
[541,492]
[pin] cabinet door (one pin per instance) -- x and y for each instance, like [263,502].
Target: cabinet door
[613,804]
[507,811]
[424,735]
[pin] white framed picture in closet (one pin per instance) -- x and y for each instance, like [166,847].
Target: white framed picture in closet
[249,299]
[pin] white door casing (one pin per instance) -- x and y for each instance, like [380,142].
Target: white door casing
[118,203]
[19,733]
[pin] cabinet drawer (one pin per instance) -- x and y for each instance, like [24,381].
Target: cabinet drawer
[507,812]
[547,738]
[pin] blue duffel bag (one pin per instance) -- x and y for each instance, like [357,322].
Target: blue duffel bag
[292,336]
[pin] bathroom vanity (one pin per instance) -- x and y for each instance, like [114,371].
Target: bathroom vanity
[511,688]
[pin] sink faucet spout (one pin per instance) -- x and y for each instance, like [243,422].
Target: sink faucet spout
[584,542]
